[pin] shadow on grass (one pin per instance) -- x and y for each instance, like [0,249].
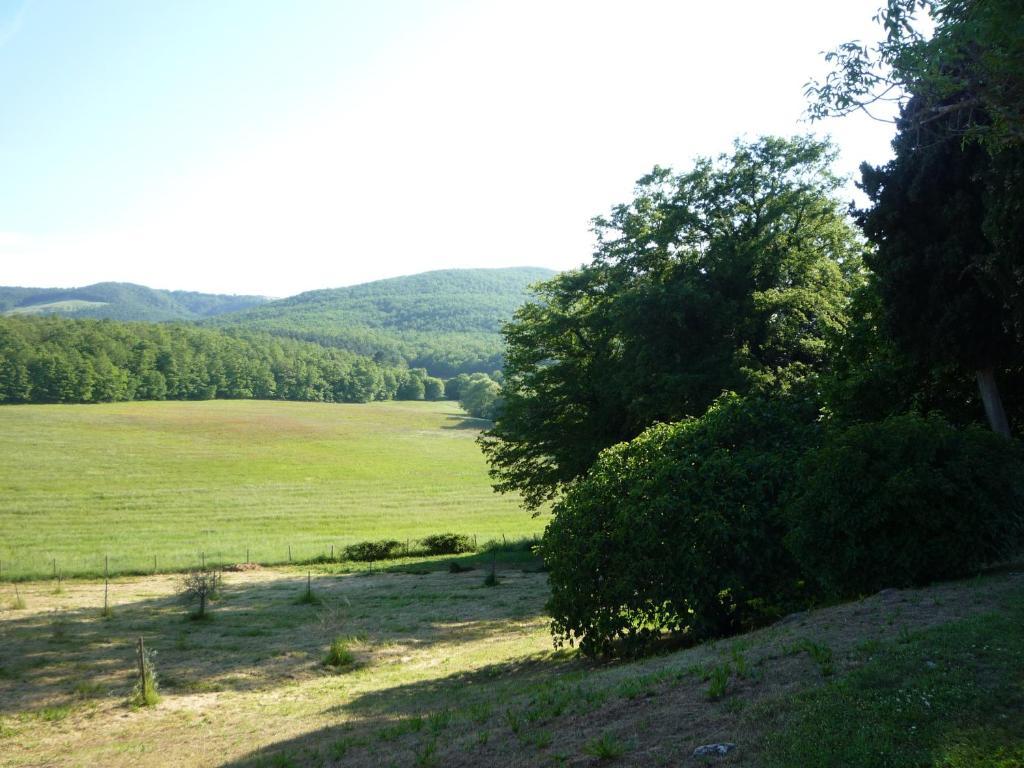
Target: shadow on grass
[403,724]
[258,634]
[464,421]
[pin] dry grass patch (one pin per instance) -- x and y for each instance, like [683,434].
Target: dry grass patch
[447,672]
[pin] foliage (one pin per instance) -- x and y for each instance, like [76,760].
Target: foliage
[447,321]
[718,681]
[727,276]
[480,397]
[433,388]
[679,529]
[907,500]
[447,544]
[948,268]
[367,551]
[199,585]
[605,747]
[934,267]
[338,654]
[52,360]
[969,70]
[121,301]
[870,377]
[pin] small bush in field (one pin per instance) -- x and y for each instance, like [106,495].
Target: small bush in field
[447,544]
[202,587]
[366,551]
[338,655]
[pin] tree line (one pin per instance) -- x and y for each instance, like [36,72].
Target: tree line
[57,360]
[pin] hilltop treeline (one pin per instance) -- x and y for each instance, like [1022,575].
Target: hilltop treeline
[447,321]
[56,360]
[121,301]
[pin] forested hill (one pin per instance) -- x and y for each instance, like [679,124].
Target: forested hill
[121,301]
[447,321]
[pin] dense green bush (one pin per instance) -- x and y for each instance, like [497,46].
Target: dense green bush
[906,500]
[447,544]
[373,550]
[679,529]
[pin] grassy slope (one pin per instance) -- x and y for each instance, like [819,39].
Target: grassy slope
[450,673]
[174,479]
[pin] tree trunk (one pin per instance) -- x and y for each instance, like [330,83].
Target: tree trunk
[993,403]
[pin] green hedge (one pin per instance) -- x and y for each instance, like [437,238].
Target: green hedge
[678,530]
[906,500]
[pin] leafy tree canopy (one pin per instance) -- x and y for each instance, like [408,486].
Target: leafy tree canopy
[969,70]
[723,277]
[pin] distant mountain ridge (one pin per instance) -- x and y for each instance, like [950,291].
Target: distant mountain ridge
[447,321]
[457,300]
[121,301]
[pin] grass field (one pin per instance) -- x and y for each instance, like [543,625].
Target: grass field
[444,671]
[184,480]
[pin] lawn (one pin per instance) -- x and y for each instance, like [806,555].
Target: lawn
[440,670]
[184,481]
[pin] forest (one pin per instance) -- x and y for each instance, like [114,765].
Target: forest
[58,360]
[447,321]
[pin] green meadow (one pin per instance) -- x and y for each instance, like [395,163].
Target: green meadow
[215,480]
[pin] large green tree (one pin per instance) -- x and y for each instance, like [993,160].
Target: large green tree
[724,277]
[944,295]
[962,59]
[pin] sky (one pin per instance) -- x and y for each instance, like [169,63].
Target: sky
[258,147]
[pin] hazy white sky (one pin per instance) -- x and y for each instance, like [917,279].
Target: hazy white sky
[237,146]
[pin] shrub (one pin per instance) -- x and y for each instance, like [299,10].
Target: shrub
[447,544]
[366,551]
[605,747]
[338,655]
[907,500]
[201,586]
[679,529]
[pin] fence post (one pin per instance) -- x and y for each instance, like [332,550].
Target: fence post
[289,553]
[142,667]
[106,584]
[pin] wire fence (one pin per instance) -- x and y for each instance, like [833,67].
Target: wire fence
[59,566]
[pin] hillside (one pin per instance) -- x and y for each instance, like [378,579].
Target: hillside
[121,301]
[447,321]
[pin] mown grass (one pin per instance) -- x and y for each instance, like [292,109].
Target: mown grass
[435,669]
[950,697]
[183,481]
